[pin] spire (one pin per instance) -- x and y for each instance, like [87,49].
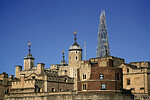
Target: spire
[63,62]
[102,43]
[29,55]
[63,54]
[75,38]
[29,47]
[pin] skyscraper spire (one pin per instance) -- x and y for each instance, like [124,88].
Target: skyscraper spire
[102,49]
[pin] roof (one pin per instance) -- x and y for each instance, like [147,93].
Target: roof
[75,46]
[63,63]
[29,56]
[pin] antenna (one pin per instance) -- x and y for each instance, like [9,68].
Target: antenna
[84,50]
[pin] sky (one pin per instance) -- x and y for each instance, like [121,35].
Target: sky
[49,26]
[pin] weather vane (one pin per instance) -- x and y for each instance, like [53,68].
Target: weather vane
[63,54]
[75,35]
[29,46]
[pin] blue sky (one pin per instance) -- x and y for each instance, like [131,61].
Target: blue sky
[49,26]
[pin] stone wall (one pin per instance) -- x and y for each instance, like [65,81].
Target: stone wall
[68,96]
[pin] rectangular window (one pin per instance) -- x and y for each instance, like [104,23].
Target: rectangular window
[84,87]
[101,76]
[128,81]
[103,86]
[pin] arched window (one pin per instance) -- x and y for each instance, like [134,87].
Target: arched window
[53,89]
[84,76]
[76,57]
[84,87]
[66,80]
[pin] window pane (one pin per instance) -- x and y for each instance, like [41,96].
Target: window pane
[103,86]
[101,76]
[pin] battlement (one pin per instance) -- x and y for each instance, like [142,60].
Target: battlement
[23,84]
[112,61]
[53,66]
[141,64]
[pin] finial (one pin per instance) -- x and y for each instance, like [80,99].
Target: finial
[75,35]
[29,47]
[63,54]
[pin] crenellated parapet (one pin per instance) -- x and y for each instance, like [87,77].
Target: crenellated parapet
[141,64]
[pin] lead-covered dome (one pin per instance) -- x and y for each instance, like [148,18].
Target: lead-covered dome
[75,46]
[63,63]
[29,56]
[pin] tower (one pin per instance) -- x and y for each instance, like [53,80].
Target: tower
[74,58]
[102,43]
[28,60]
[63,62]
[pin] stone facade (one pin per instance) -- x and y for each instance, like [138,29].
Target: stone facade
[136,77]
[41,80]
[68,96]
[74,58]
[5,84]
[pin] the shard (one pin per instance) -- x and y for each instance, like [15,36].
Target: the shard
[102,43]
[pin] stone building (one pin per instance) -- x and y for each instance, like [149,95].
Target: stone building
[136,77]
[74,59]
[37,79]
[5,84]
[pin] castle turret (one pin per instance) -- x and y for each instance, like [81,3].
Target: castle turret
[75,56]
[28,60]
[75,53]
[18,69]
[63,62]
